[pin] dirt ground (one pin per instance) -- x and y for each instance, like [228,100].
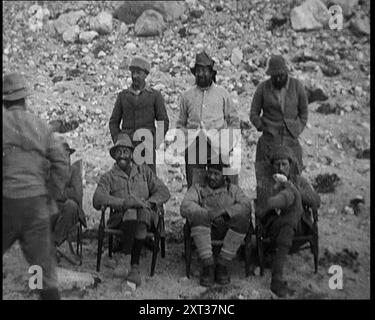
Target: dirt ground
[344,238]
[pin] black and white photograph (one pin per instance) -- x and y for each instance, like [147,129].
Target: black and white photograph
[210,151]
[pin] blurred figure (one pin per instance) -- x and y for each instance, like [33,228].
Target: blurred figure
[70,209]
[35,171]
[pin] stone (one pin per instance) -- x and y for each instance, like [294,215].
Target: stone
[68,279]
[131,47]
[310,15]
[67,20]
[347,6]
[130,11]
[102,23]
[71,34]
[360,26]
[237,56]
[315,94]
[123,29]
[87,36]
[150,23]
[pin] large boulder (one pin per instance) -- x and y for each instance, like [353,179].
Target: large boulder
[310,15]
[130,11]
[102,23]
[67,20]
[87,36]
[150,23]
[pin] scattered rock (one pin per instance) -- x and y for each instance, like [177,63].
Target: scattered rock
[182,32]
[150,23]
[329,107]
[87,36]
[197,12]
[39,17]
[360,26]
[67,20]
[330,69]
[102,23]
[312,14]
[358,204]
[345,258]
[237,56]
[63,126]
[130,11]
[315,94]
[131,47]
[71,34]
[326,183]
[123,29]
[277,21]
[69,279]
[348,210]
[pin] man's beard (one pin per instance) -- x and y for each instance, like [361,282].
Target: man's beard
[137,84]
[123,163]
[203,82]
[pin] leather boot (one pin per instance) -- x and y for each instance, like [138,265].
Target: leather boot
[134,275]
[207,273]
[49,294]
[221,272]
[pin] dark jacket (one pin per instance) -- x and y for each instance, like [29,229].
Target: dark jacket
[34,162]
[273,120]
[138,111]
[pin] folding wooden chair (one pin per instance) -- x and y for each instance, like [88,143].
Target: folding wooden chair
[309,239]
[156,237]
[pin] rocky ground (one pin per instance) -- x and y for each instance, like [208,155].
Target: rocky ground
[75,79]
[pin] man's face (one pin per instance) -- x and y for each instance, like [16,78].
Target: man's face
[279,80]
[203,76]
[215,178]
[138,78]
[281,166]
[123,157]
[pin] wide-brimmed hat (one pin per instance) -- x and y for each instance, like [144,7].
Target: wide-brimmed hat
[203,59]
[14,87]
[276,65]
[123,140]
[140,62]
[216,166]
[68,148]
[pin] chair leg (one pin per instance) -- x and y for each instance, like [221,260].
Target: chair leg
[248,250]
[155,253]
[79,241]
[100,247]
[162,246]
[188,249]
[110,245]
[260,255]
[315,249]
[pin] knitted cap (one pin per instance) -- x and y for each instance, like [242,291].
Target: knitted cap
[276,65]
[140,62]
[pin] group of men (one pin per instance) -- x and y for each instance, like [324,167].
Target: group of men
[37,173]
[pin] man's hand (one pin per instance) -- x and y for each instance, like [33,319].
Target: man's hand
[132,203]
[222,219]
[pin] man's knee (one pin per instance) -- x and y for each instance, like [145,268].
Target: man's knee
[240,223]
[70,207]
[199,219]
[141,231]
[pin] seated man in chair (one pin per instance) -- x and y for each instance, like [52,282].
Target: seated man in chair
[280,208]
[70,209]
[218,209]
[133,191]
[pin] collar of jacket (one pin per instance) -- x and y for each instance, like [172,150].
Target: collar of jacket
[286,85]
[134,171]
[146,88]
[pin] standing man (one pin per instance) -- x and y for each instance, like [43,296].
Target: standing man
[35,171]
[204,107]
[279,111]
[134,192]
[138,107]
